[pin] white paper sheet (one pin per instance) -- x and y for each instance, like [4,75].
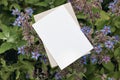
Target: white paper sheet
[62,37]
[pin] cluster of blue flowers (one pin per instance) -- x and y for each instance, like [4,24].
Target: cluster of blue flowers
[86,30]
[112,5]
[106,30]
[20,16]
[35,55]
[109,44]
[98,48]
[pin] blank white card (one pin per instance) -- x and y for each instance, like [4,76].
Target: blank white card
[62,37]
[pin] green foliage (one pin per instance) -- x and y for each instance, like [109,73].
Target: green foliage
[11,37]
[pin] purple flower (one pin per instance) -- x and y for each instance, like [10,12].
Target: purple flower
[15,12]
[106,59]
[17,23]
[78,7]
[98,48]
[44,58]
[117,38]
[109,44]
[58,76]
[86,30]
[35,55]
[21,50]
[29,11]
[111,5]
[106,30]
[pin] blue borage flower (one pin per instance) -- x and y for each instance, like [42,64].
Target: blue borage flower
[84,60]
[106,30]
[15,12]
[19,20]
[29,11]
[112,5]
[116,38]
[58,76]
[86,30]
[98,48]
[35,55]
[93,60]
[44,58]
[21,50]
[109,44]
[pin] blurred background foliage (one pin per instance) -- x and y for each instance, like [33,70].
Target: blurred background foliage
[19,44]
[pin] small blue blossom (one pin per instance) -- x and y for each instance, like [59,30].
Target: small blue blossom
[106,30]
[93,60]
[86,30]
[29,11]
[117,38]
[84,59]
[21,50]
[35,55]
[109,44]
[44,58]
[111,5]
[15,12]
[18,21]
[98,48]
[58,76]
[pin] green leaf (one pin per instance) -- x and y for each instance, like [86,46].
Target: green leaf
[113,29]
[116,75]
[5,30]
[17,74]
[90,68]
[2,61]
[109,66]
[117,22]
[4,2]
[20,43]
[2,36]
[15,5]
[117,52]
[81,16]
[103,20]
[31,1]
[95,10]
[44,4]
[59,2]
[6,46]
